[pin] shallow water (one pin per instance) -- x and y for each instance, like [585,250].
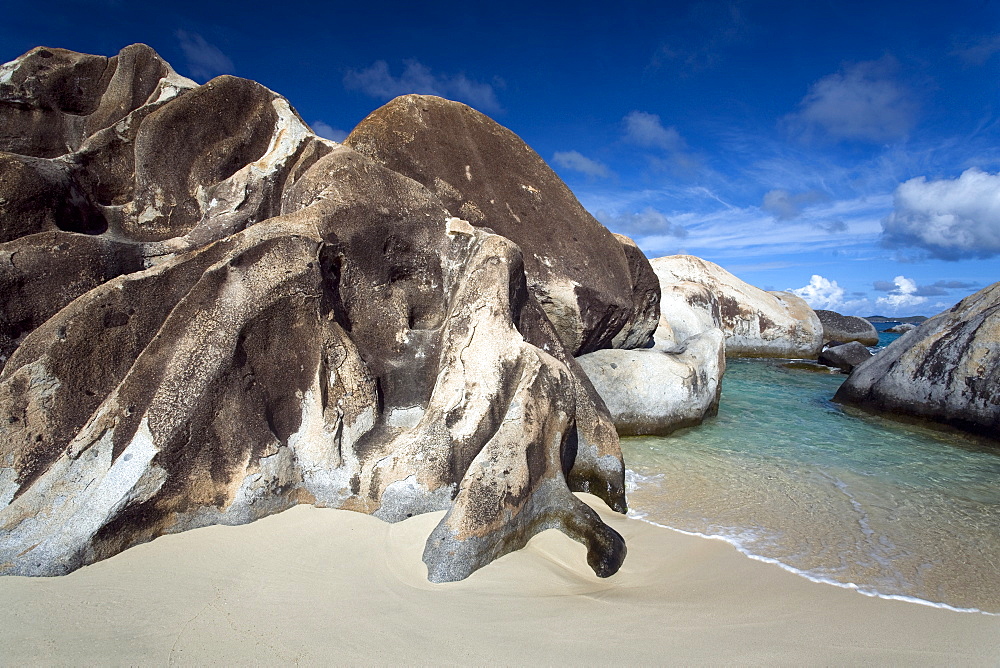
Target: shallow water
[786,475]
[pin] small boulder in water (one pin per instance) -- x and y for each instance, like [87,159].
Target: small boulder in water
[650,391]
[902,328]
[846,328]
[845,356]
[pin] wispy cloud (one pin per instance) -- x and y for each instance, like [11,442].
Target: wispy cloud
[204,60]
[578,162]
[645,129]
[378,82]
[979,51]
[861,102]
[644,223]
[783,205]
[327,131]
[699,39]
[949,219]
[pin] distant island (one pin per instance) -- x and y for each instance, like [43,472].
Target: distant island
[914,319]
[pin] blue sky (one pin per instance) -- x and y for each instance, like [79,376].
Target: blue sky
[847,150]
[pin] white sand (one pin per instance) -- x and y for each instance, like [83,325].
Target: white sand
[334,587]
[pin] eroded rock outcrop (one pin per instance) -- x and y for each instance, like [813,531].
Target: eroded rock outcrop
[655,392]
[214,314]
[697,295]
[846,328]
[947,369]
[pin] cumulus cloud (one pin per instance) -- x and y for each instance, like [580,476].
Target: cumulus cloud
[949,219]
[645,129]
[327,131]
[861,102]
[821,293]
[580,163]
[903,296]
[377,81]
[647,222]
[204,60]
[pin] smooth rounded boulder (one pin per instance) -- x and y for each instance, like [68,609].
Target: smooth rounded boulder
[755,323]
[946,370]
[846,328]
[655,392]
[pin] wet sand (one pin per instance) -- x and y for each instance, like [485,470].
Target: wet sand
[331,587]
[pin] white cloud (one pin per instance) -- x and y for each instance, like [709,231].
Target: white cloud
[377,81]
[903,297]
[862,102]
[645,129]
[949,218]
[647,222]
[327,131]
[204,60]
[821,293]
[580,163]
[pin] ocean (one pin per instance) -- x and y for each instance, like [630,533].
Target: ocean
[887,508]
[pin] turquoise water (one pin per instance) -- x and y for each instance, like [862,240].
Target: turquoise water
[836,495]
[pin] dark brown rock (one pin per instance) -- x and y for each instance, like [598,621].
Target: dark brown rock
[846,328]
[845,356]
[486,174]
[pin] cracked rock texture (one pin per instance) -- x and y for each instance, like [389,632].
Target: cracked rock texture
[947,369]
[697,295]
[210,314]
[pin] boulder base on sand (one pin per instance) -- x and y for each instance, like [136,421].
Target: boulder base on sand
[846,328]
[947,370]
[697,295]
[654,392]
[210,314]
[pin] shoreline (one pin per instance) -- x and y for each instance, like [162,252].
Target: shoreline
[335,587]
[850,586]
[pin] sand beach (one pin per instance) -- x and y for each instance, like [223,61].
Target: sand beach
[330,587]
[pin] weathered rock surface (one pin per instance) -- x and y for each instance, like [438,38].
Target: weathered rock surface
[845,356]
[846,328]
[947,370]
[901,328]
[697,295]
[486,174]
[654,392]
[209,314]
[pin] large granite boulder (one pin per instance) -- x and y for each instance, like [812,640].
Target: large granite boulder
[655,392]
[846,328]
[947,369]
[845,356]
[487,175]
[236,316]
[697,295]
